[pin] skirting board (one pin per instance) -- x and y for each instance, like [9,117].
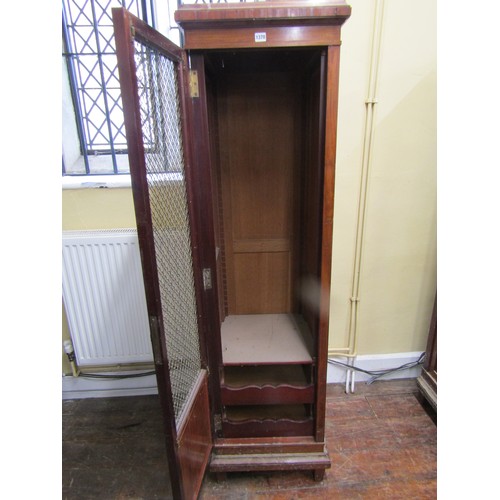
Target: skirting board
[337,374]
[79,387]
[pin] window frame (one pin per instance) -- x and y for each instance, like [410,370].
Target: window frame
[88,161]
[77,162]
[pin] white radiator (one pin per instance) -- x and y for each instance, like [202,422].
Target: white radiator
[104,298]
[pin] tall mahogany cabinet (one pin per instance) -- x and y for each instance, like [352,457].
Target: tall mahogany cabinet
[231,144]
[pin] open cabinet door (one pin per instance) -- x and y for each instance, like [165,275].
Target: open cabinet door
[153,84]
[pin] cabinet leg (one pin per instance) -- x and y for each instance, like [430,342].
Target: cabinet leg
[319,474]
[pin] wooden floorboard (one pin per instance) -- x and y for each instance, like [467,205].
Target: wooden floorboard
[381,440]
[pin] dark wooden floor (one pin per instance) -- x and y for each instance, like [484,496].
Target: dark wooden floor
[382,443]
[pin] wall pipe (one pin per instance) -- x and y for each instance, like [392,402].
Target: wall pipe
[70,352]
[350,352]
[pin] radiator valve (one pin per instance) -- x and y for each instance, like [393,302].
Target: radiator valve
[70,352]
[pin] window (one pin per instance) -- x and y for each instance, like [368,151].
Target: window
[93,128]
[97,143]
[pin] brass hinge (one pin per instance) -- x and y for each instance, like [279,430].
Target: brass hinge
[132,31]
[154,331]
[193,83]
[207,278]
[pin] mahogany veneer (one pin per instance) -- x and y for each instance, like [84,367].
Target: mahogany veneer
[257,88]
[267,111]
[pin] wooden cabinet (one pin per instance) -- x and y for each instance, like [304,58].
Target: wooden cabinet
[232,144]
[427,381]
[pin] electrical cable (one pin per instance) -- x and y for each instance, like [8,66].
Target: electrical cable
[376,374]
[117,377]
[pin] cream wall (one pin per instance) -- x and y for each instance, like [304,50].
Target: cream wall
[398,265]
[397,274]
[97,208]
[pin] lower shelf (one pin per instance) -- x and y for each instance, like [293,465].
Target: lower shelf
[267,384]
[267,421]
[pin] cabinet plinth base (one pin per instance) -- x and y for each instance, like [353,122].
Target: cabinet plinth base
[428,387]
[270,462]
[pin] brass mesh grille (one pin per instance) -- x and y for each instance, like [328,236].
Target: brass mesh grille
[161,126]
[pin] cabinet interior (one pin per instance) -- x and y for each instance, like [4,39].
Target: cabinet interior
[265,119]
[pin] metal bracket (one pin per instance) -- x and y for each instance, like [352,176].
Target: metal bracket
[207,278]
[154,331]
[193,83]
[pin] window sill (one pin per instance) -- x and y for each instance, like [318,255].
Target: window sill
[96,181]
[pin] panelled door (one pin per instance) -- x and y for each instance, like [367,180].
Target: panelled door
[153,84]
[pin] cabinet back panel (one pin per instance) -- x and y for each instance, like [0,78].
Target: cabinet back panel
[262,282]
[259,124]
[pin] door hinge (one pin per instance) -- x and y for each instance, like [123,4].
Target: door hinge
[193,83]
[207,278]
[154,331]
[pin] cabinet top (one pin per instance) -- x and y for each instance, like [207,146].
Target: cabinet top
[271,12]
[280,23]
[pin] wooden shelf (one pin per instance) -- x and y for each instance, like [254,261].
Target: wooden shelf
[237,377]
[265,339]
[266,384]
[276,420]
[272,412]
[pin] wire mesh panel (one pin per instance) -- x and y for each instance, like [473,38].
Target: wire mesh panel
[161,129]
